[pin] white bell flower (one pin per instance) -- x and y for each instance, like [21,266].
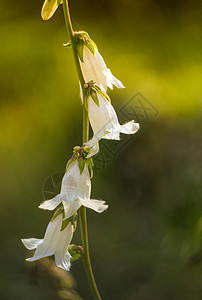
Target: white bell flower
[105,124]
[94,69]
[55,242]
[75,192]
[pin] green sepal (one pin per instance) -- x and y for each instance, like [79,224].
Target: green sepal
[104,95]
[90,164]
[86,95]
[68,45]
[69,163]
[59,2]
[80,49]
[59,211]
[94,96]
[64,224]
[91,45]
[83,38]
[75,252]
[72,219]
[81,162]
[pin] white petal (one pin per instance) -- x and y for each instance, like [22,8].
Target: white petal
[112,80]
[93,68]
[102,118]
[62,256]
[31,243]
[70,187]
[97,205]
[94,149]
[130,127]
[48,246]
[104,122]
[74,184]
[113,134]
[70,208]
[52,203]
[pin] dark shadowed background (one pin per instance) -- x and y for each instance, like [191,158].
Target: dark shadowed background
[148,245]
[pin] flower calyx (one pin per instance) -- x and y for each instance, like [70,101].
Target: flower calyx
[92,90]
[65,222]
[83,39]
[81,155]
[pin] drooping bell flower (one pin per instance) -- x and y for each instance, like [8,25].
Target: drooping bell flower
[103,118]
[49,8]
[55,242]
[75,190]
[92,64]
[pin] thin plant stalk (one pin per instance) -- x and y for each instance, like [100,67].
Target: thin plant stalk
[82,210]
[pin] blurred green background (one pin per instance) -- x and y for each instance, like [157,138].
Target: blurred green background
[148,245]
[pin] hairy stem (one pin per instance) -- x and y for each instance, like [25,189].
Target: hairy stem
[82,210]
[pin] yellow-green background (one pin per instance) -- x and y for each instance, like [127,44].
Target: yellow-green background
[148,244]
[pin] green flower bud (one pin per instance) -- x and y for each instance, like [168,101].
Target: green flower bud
[49,8]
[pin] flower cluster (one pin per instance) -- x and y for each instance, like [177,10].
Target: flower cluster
[76,183]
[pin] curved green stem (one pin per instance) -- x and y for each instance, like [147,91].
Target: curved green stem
[73,41]
[82,210]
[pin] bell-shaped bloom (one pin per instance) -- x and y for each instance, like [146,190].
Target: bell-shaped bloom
[105,124]
[94,69]
[55,242]
[75,192]
[49,8]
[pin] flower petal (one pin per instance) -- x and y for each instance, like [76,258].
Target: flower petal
[94,149]
[93,67]
[52,203]
[130,127]
[97,205]
[31,243]
[112,80]
[76,184]
[62,256]
[49,244]
[70,208]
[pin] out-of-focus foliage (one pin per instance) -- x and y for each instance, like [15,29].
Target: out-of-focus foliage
[148,244]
